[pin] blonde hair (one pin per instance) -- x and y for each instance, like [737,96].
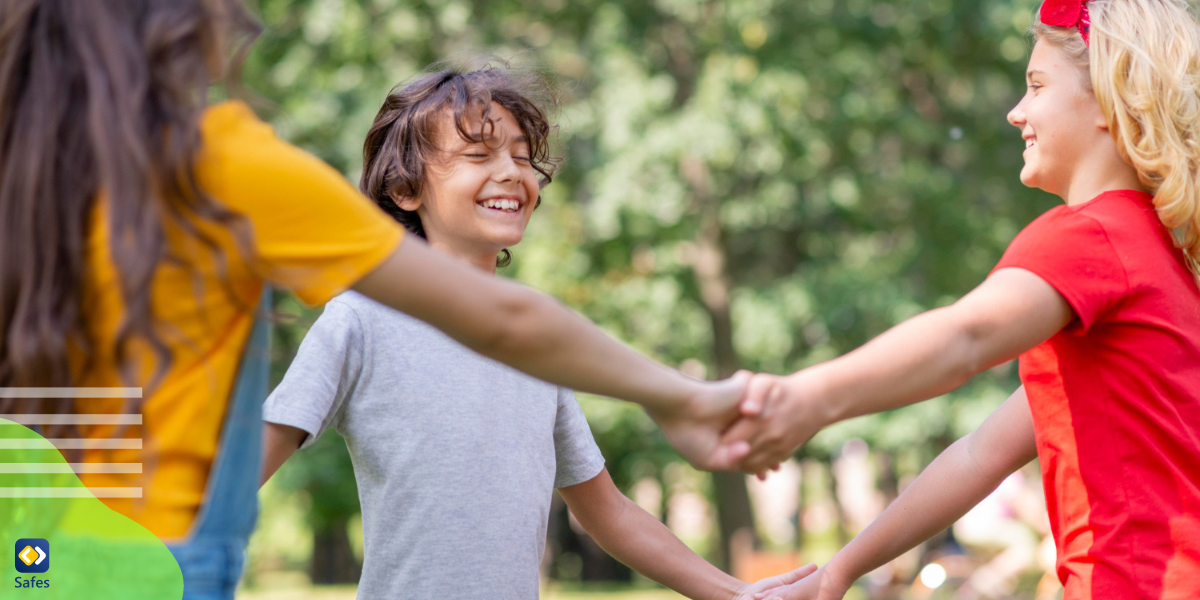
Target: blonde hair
[1143,64]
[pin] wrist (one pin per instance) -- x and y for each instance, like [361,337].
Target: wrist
[817,385]
[840,575]
[731,588]
[679,396]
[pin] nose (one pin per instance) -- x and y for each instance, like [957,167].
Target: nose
[507,169]
[1016,116]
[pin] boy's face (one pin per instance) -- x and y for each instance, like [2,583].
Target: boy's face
[478,196]
[1060,120]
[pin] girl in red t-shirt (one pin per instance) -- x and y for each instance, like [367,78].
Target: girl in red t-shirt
[1099,298]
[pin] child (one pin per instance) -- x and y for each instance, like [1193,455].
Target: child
[457,456]
[139,227]
[1100,300]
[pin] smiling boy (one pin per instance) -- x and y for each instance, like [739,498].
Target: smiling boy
[456,455]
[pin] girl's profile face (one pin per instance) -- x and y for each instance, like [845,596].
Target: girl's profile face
[1059,119]
[478,196]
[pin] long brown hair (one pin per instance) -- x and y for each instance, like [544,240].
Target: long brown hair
[99,98]
[401,142]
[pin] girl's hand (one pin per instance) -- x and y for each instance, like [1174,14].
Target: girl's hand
[821,585]
[780,414]
[755,591]
[695,427]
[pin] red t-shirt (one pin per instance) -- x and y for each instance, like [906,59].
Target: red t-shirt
[1115,398]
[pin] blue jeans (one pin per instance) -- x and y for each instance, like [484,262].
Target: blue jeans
[213,554]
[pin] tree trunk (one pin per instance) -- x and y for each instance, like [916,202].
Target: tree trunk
[333,559]
[801,500]
[734,512]
[594,563]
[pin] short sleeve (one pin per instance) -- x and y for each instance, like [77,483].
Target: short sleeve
[313,232]
[1072,252]
[323,374]
[577,456]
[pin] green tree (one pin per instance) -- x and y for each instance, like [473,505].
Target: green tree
[750,183]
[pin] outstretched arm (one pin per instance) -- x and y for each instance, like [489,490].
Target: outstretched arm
[640,541]
[928,355]
[955,481]
[532,332]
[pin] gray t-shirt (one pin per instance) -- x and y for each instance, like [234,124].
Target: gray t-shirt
[456,455]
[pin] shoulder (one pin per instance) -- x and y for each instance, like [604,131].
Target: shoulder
[1101,226]
[566,395]
[232,117]
[377,319]
[1078,251]
[235,140]
[1123,213]
[1080,229]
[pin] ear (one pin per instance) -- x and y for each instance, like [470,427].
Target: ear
[409,203]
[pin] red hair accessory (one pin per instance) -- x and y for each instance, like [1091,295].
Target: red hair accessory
[1067,13]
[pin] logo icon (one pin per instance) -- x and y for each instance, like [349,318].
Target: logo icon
[33,555]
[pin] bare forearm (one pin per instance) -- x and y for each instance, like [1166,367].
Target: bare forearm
[954,482]
[933,502]
[1011,312]
[644,544]
[520,327]
[554,342]
[923,357]
[931,354]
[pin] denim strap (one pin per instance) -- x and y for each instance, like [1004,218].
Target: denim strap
[213,555]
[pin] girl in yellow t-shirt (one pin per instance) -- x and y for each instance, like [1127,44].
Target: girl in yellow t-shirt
[139,227]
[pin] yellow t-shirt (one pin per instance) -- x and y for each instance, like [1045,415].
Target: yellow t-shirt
[312,233]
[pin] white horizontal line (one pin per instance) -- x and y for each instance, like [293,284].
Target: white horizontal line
[103,419]
[70,467]
[71,444]
[70,492]
[70,392]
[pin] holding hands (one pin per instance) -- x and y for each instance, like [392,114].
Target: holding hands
[749,422]
[695,427]
[771,586]
[778,415]
[820,585]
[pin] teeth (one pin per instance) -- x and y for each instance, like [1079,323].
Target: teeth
[505,205]
[1030,142]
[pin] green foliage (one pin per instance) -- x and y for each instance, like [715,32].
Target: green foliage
[851,160]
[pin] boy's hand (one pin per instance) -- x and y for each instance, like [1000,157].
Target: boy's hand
[756,591]
[695,427]
[821,585]
[779,415]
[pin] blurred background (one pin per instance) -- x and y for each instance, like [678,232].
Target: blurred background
[760,184]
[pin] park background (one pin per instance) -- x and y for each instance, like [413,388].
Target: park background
[759,184]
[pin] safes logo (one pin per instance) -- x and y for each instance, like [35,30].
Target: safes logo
[33,555]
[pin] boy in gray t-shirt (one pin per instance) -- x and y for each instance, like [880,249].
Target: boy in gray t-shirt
[456,455]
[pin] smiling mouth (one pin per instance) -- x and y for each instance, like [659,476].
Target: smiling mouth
[506,205]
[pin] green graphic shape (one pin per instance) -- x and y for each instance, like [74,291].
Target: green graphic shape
[95,552]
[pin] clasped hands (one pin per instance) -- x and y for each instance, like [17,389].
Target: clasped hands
[754,422]
[749,422]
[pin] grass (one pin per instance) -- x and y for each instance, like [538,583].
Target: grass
[549,592]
